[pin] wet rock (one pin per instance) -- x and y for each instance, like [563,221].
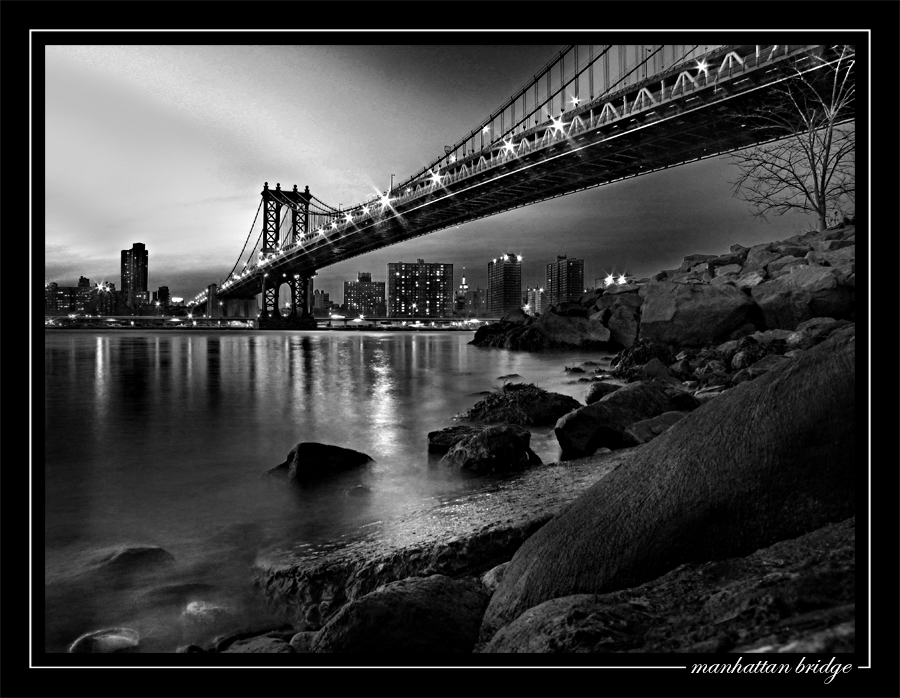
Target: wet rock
[603,423]
[508,376]
[599,390]
[223,642]
[748,352]
[574,369]
[310,462]
[629,361]
[301,642]
[648,429]
[359,491]
[418,615]
[204,613]
[469,536]
[521,403]
[493,450]
[794,596]
[106,641]
[517,317]
[189,649]
[654,369]
[491,578]
[129,560]
[260,645]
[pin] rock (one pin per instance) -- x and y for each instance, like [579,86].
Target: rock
[630,360]
[493,450]
[783,265]
[301,642]
[747,281]
[767,363]
[310,462]
[467,537]
[761,449]
[260,645]
[599,390]
[188,649]
[517,317]
[691,315]
[508,376]
[648,429]
[491,578]
[728,269]
[443,440]
[574,369]
[223,642]
[128,560]
[758,257]
[682,401]
[654,369]
[603,423]
[806,292]
[521,403]
[693,259]
[358,491]
[106,641]
[624,324]
[419,615]
[748,352]
[681,369]
[796,595]
[204,613]
[623,290]
[569,309]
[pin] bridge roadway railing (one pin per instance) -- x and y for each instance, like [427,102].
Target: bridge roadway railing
[728,67]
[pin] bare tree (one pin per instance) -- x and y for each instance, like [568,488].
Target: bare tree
[811,165]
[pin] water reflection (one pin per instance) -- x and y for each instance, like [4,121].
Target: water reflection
[163,438]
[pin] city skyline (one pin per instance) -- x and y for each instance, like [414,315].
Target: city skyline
[203,162]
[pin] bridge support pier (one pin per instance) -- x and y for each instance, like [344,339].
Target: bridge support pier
[300,317]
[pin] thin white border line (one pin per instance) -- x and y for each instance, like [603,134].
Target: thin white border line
[31,665]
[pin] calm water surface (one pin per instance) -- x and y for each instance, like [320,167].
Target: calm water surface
[162,438]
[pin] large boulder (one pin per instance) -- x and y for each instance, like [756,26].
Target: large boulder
[521,403]
[309,462]
[624,324]
[603,423]
[648,429]
[419,615]
[780,595]
[806,292]
[599,390]
[573,332]
[443,440]
[765,461]
[691,314]
[493,450]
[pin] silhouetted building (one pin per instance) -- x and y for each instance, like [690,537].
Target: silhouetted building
[322,306]
[504,284]
[565,280]
[423,289]
[476,302]
[459,305]
[163,296]
[134,275]
[364,296]
[105,299]
[535,301]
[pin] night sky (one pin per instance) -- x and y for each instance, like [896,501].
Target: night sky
[170,146]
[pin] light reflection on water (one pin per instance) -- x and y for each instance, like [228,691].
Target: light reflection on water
[162,438]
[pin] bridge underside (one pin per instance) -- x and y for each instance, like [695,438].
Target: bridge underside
[700,123]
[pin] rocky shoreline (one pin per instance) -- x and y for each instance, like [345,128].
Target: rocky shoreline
[704,500]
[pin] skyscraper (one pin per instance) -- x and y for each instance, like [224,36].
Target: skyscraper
[535,300]
[504,284]
[134,275]
[565,280]
[364,296]
[459,306]
[423,289]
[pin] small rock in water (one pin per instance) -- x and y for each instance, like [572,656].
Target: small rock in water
[574,369]
[203,612]
[359,491]
[509,375]
[106,641]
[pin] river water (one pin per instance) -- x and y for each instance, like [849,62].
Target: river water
[163,438]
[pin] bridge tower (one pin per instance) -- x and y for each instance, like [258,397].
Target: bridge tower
[299,283]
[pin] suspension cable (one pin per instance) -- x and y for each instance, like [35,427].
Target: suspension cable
[259,208]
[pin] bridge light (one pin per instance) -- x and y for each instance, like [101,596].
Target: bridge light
[333,225]
[365,209]
[508,146]
[575,101]
[486,129]
[349,216]
[703,67]
[385,201]
[435,177]
[557,124]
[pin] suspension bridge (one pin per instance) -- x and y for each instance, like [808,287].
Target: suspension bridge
[595,114]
